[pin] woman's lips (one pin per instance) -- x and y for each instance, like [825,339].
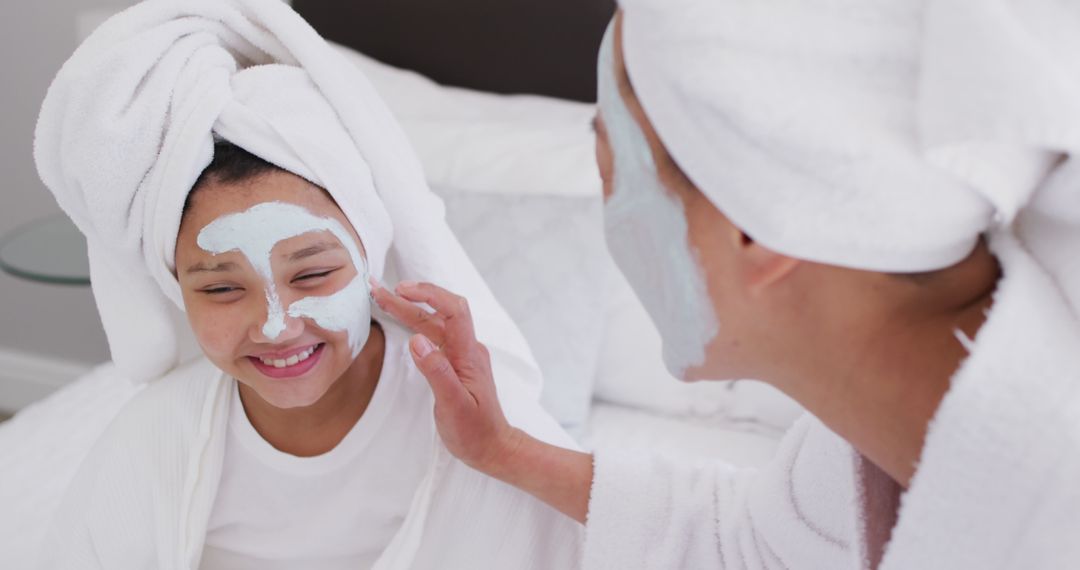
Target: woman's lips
[289,370]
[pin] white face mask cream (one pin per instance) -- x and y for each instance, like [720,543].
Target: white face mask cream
[254,233]
[646,233]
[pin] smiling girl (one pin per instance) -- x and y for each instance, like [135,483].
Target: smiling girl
[239,183]
[320,450]
[254,240]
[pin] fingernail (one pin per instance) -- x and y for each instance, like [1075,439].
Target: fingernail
[407,285]
[374,283]
[422,346]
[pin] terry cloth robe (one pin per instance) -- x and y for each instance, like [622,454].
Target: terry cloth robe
[997,486]
[143,496]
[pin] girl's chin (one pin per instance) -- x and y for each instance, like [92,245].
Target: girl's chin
[289,397]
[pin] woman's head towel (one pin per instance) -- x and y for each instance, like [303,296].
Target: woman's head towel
[130,121]
[877,134]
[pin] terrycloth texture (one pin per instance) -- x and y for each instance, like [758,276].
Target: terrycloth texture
[129,124]
[884,135]
[995,488]
[143,497]
[997,484]
[797,512]
[41,450]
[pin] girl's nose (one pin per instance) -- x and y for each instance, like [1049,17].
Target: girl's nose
[276,327]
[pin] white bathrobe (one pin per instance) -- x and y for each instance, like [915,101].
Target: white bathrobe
[998,483]
[143,496]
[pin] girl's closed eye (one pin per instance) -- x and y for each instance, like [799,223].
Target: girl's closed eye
[313,277]
[220,289]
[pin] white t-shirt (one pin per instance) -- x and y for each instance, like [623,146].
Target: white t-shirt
[337,510]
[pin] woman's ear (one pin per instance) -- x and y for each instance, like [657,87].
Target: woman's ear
[761,267]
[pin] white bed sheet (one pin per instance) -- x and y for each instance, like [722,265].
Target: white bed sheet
[742,444]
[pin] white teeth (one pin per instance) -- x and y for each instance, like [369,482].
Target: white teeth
[292,360]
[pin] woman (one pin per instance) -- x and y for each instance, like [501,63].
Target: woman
[224,161]
[872,207]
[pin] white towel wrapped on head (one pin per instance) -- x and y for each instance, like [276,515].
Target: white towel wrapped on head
[884,135]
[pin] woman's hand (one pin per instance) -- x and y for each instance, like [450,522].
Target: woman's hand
[467,411]
[458,368]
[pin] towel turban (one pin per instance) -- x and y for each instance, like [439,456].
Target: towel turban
[885,135]
[130,122]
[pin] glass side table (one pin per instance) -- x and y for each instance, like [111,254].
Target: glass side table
[50,250]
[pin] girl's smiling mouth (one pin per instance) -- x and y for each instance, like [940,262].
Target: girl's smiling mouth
[288,364]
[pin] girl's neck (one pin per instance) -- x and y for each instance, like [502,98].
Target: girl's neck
[318,428]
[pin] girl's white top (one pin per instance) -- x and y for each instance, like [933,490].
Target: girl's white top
[336,510]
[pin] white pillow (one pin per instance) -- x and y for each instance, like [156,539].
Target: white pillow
[689,439]
[542,256]
[484,142]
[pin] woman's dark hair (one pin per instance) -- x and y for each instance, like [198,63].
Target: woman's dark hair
[231,164]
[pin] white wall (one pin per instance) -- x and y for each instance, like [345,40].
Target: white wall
[57,322]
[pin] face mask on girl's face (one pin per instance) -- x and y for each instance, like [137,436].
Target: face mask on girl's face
[275,286]
[257,230]
[646,232]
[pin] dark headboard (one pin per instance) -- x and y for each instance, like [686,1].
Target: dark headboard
[545,47]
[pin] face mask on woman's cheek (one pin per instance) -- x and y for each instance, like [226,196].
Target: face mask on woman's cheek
[646,233]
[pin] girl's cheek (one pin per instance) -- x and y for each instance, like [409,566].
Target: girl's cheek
[214,331]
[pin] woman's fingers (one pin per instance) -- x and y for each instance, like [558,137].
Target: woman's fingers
[454,310]
[467,412]
[440,374]
[409,314]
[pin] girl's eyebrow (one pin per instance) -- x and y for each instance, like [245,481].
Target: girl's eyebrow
[314,249]
[297,255]
[215,267]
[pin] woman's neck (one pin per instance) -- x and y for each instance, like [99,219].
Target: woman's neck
[318,428]
[882,395]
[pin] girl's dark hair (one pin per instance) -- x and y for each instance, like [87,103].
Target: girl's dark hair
[231,164]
